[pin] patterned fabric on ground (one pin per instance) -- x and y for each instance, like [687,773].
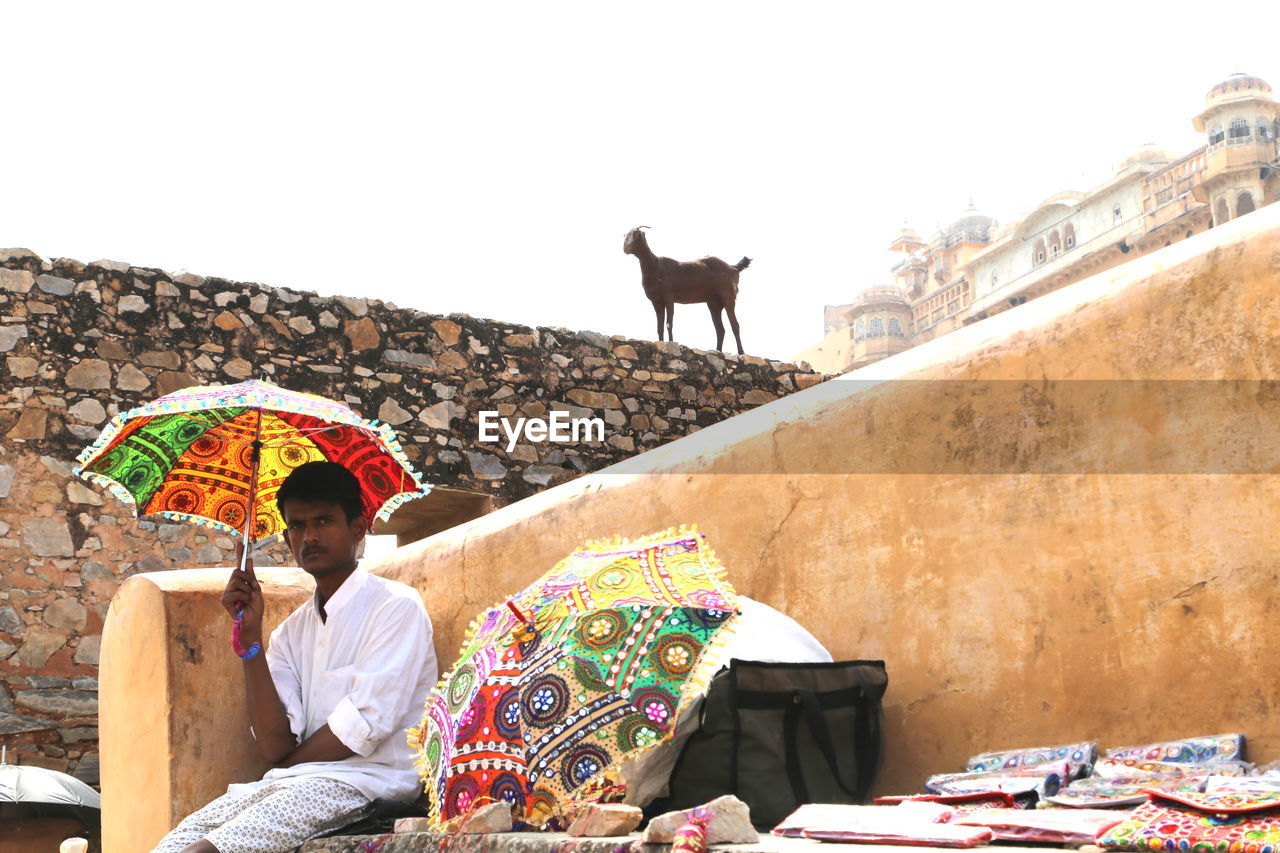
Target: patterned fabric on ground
[1123,791]
[272,819]
[1079,756]
[1044,781]
[1115,768]
[1200,823]
[1213,748]
[1052,826]
[1242,785]
[959,803]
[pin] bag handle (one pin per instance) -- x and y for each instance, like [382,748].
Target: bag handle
[806,701]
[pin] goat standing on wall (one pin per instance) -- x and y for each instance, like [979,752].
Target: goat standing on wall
[667,282]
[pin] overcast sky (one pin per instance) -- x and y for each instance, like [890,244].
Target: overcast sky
[487,158]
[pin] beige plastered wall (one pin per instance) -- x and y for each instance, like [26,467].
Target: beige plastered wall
[1053,525]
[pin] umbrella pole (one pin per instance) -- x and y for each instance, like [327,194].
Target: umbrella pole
[255,455]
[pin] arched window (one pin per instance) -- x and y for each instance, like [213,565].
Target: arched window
[895,327]
[1038,256]
[1070,233]
[1055,243]
[1239,128]
[859,330]
[1244,203]
[877,328]
[1220,212]
[1215,134]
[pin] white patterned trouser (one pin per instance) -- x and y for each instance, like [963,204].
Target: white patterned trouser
[272,819]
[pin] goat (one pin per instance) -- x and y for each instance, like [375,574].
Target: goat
[667,282]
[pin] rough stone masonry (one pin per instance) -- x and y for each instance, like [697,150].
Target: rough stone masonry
[84,342]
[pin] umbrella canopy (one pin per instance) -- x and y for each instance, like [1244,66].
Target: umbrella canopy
[584,669]
[30,791]
[217,455]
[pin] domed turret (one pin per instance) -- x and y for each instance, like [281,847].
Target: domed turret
[1235,89]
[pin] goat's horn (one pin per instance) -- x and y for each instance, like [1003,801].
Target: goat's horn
[638,227]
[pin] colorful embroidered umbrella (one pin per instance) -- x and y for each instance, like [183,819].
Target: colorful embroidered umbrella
[217,455]
[586,668]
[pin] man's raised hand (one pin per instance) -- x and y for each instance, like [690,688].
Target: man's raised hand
[243,589]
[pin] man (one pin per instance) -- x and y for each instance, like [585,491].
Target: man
[337,685]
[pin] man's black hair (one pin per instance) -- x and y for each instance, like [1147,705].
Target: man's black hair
[323,481]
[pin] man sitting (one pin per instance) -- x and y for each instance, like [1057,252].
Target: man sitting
[340,681]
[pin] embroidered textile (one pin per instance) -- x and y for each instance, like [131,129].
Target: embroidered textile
[1123,791]
[1114,768]
[1200,823]
[1080,756]
[915,823]
[535,715]
[1214,748]
[1043,780]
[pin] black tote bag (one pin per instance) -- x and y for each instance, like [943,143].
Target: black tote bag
[778,735]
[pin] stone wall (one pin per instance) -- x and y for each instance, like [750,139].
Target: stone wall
[83,342]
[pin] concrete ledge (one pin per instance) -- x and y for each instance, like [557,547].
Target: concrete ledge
[173,724]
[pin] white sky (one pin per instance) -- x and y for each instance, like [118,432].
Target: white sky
[487,158]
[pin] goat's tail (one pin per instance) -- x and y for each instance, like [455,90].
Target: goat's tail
[742,264]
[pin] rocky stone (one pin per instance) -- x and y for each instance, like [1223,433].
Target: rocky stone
[486,466]
[132,304]
[93,570]
[10,623]
[6,651]
[327,320]
[413,824]
[31,426]
[167,359]
[66,613]
[87,769]
[21,367]
[238,368]
[11,724]
[209,555]
[363,334]
[80,494]
[153,563]
[358,307]
[88,410]
[10,335]
[90,374]
[494,817]
[625,351]
[131,378]
[258,304]
[399,356]
[441,415]
[605,820]
[113,350]
[89,649]
[454,359]
[6,480]
[730,824]
[16,281]
[39,645]
[594,399]
[55,286]
[302,325]
[541,475]
[228,321]
[756,397]
[169,381]
[79,734]
[597,340]
[449,331]
[71,703]
[391,412]
[48,537]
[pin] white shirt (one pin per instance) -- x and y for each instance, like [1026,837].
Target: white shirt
[366,671]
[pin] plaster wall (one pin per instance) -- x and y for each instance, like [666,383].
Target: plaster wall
[1055,524]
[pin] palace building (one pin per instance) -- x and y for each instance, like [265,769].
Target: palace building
[975,267]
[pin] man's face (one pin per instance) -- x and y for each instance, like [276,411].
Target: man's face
[321,538]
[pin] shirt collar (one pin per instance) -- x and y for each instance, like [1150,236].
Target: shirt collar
[345,593]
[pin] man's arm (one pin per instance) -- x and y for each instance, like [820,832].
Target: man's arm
[323,745]
[266,711]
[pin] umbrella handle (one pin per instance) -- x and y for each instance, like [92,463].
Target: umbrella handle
[236,622]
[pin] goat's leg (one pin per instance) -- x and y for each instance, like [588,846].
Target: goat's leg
[657,309]
[671,313]
[718,323]
[733,324]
